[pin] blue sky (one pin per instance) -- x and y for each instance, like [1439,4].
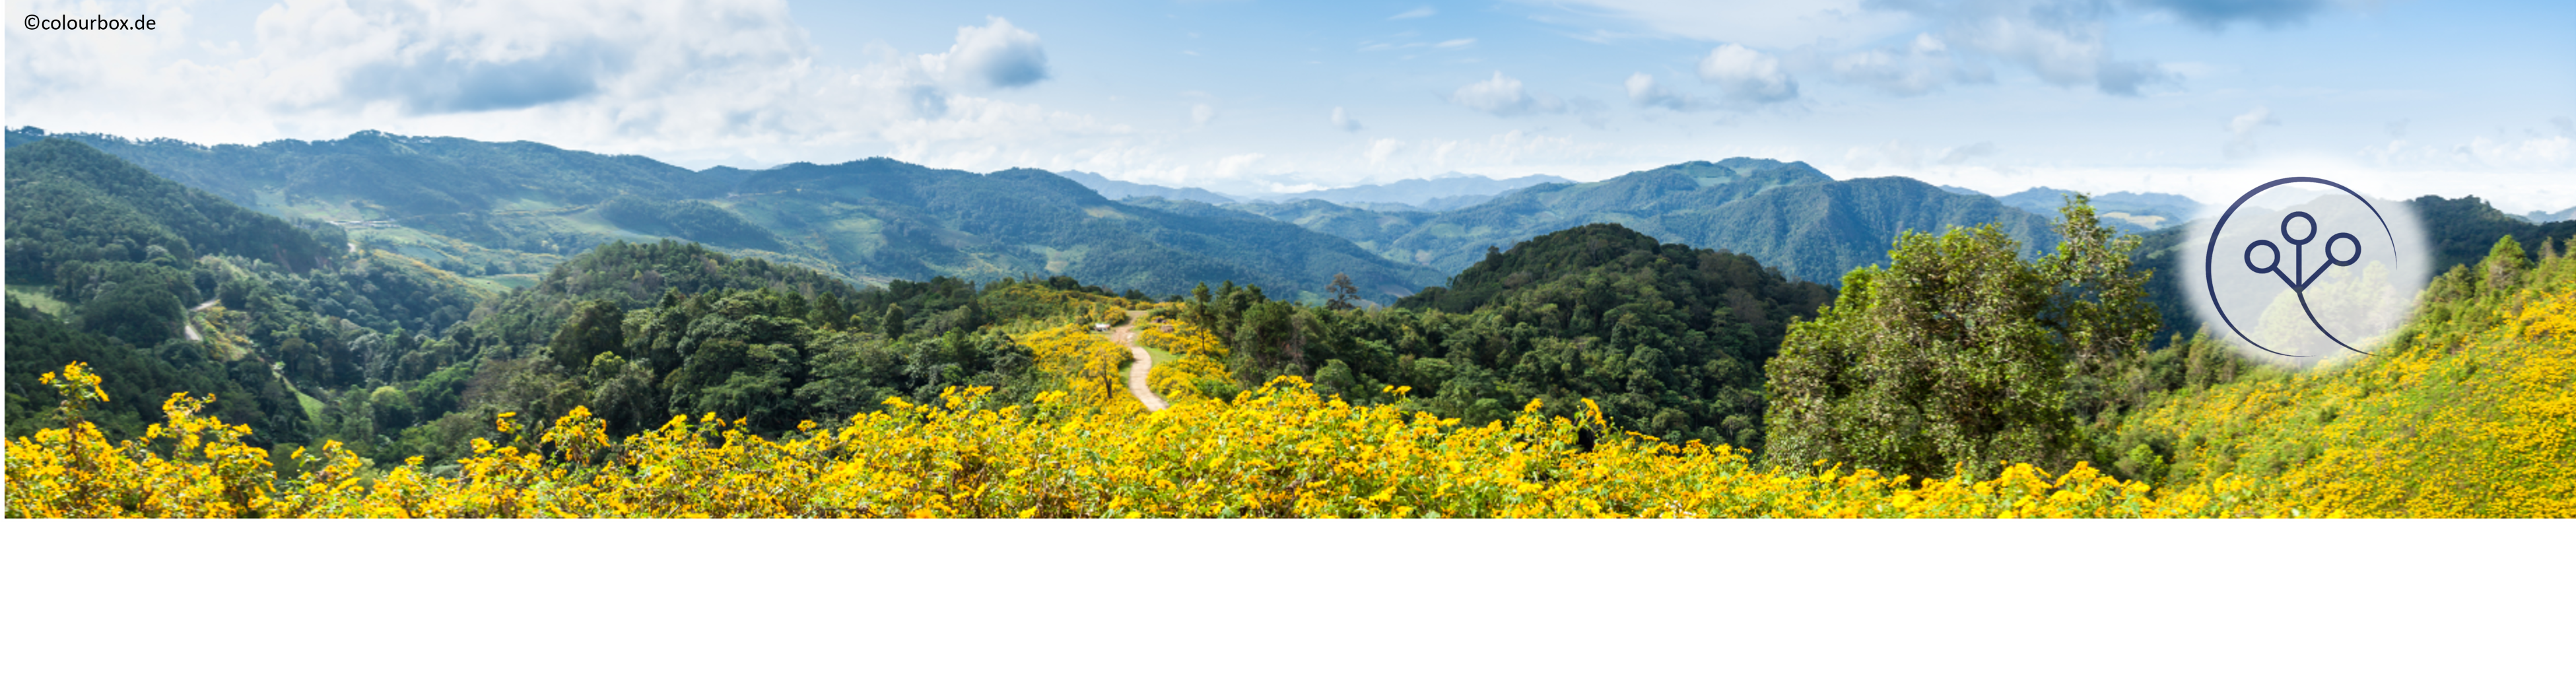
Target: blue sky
[2189,96]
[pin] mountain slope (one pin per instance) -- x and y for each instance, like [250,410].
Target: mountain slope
[176,289]
[1119,190]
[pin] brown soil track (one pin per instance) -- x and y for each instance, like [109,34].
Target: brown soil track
[1137,382]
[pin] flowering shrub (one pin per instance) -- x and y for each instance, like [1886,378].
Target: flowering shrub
[1280,451]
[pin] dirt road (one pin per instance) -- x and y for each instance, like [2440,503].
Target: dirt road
[1137,381]
[189,325]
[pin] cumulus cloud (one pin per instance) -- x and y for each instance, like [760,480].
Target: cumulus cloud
[2240,131]
[1342,120]
[687,81]
[996,54]
[1924,65]
[1746,75]
[2063,43]
[1504,97]
[1644,91]
[2216,14]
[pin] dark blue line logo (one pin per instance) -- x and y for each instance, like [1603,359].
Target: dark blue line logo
[2264,257]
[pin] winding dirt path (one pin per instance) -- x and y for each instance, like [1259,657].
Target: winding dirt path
[189,325]
[1137,382]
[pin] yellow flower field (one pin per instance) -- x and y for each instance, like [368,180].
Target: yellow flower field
[2469,423]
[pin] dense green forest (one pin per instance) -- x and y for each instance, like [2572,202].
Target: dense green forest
[1669,339]
[170,285]
[639,333]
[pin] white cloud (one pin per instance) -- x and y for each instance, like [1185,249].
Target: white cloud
[691,82]
[1416,13]
[2064,44]
[2240,131]
[1201,113]
[1925,64]
[1460,43]
[1747,76]
[1342,120]
[1504,97]
[1644,91]
[996,54]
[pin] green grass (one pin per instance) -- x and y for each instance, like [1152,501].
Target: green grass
[40,298]
[312,406]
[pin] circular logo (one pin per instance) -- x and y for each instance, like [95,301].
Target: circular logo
[2304,269]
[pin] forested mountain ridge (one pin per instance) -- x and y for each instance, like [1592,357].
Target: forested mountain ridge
[502,211]
[1119,190]
[374,175]
[1787,214]
[893,219]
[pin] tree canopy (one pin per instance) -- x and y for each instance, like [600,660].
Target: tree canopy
[1958,355]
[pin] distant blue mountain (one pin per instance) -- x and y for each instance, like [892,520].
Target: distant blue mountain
[1441,193]
[1956,190]
[2146,211]
[1119,190]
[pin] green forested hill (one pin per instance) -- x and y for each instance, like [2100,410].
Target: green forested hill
[168,288]
[1668,339]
